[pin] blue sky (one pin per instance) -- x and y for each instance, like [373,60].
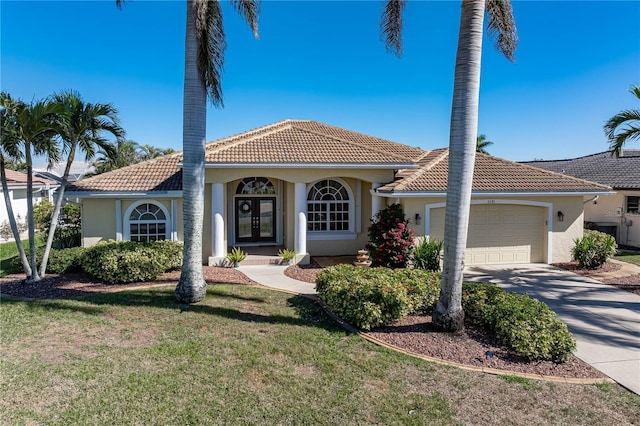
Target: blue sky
[324,61]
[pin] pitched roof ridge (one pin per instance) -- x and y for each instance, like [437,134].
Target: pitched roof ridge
[348,142]
[240,138]
[538,169]
[146,163]
[571,159]
[424,169]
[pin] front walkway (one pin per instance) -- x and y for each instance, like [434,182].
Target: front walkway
[604,320]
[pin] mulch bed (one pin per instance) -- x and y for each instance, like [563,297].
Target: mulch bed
[630,283]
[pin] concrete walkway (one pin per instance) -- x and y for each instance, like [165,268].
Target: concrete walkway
[604,320]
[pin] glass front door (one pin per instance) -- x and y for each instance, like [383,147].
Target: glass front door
[255,219]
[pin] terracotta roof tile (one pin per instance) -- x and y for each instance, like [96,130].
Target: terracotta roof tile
[15,178]
[491,174]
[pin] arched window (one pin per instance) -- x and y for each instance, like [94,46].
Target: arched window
[147,221]
[255,185]
[328,206]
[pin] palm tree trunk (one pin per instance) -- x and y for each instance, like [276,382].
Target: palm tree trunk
[12,219]
[56,212]
[192,288]
[30,221]
[448,315]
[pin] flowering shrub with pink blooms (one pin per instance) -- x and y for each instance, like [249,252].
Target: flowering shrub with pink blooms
[390,238]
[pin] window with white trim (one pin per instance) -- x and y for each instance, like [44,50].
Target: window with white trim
[633,204]
[328,207]
[147,222]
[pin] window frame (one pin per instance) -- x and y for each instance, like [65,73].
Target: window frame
[350,202]
[635,204]
[127,219]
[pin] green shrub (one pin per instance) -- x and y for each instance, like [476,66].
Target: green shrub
[371,297]
[593,249]
[527,326]
[60,261]
[426,254]
[127,261]
[390,238]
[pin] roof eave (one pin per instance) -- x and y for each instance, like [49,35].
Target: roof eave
[123,194]
[434,194]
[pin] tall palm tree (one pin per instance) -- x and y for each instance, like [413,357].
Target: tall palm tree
[204,59]
[33,131]
[123,153]
[623,126]
[9,150]
[80,126]
[482,143]
[448,314]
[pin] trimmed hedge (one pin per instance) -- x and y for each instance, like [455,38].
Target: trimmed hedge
[524,324]
[60,261]
[593,249]
[371,297]
[127,261]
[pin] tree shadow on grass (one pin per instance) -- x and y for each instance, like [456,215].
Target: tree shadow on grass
[307,312]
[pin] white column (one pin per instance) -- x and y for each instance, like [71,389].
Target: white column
[174,220]
[217,218]
[300,245]
[119,220]
[376,200]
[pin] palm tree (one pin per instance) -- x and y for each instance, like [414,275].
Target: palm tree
[33,128]
[123,153]
[149,152]
[204,59]
[623,126]
[482,143]
[80,126]
[448,314]
[10,151]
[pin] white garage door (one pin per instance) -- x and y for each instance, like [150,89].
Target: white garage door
[500,233]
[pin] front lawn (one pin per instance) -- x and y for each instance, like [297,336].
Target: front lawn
[247,355]
[629,256]
[9,250]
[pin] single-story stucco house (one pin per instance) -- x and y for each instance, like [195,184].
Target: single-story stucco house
[618,215]
[313,188]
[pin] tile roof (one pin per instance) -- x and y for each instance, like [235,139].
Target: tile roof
[491,174]
[311,143]
[619,173]
[305,141]
[15,178]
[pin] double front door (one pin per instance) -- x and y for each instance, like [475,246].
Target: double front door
[255,219]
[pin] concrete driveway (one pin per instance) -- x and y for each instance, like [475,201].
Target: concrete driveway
[604,320]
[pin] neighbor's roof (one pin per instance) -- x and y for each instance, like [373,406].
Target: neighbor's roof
[619,173]
[302,143]
[491,175]
[19,179]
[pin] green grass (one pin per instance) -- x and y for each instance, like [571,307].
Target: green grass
[9,250]
[628,256]
[247,355]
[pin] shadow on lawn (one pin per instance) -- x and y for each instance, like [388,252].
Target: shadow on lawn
[307,312]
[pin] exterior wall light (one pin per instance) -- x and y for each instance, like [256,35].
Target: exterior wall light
[418,218]
[560,216]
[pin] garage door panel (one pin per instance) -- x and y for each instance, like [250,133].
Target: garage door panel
[499,233]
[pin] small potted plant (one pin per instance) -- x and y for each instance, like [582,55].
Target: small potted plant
[235,256]
[287,256]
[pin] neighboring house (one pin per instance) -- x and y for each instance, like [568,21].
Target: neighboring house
[314,188]
[54,172]
[17,185]
[617,215]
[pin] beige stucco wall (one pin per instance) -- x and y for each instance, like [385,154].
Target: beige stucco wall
[607,212]
[305,175]
[563,233]
[98,220]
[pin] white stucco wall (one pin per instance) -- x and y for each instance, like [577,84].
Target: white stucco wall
[609,211]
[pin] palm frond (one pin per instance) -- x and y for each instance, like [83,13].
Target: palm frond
[249,10]
[501,25]
[635,90]
[391,26]
[211,47]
